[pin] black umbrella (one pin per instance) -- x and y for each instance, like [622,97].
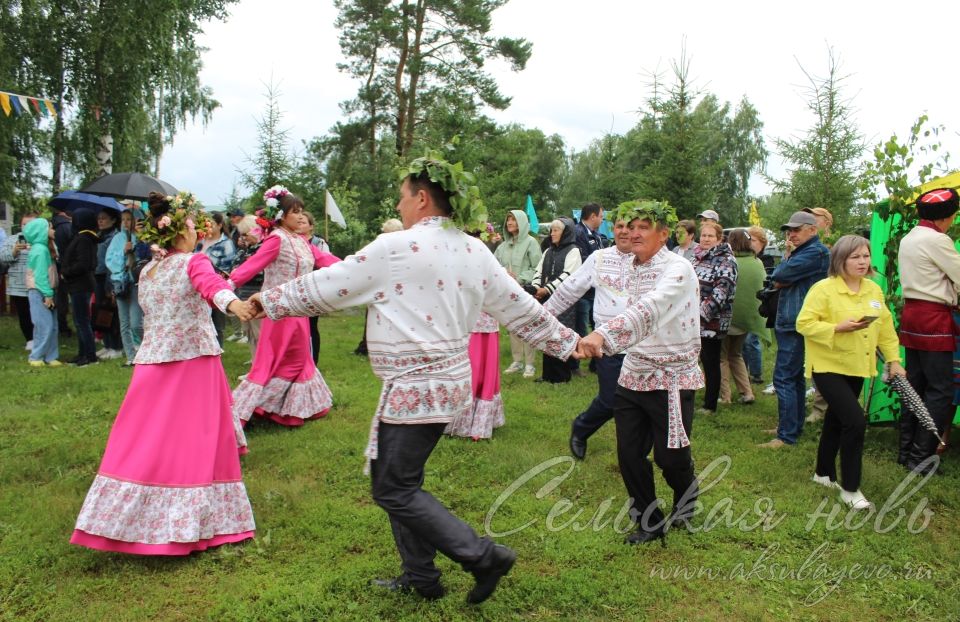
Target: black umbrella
[71,200]
[129,185]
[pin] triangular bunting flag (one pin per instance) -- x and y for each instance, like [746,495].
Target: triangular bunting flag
[5,104]
[15,104]
[24,103]
[50,109]
[36,105]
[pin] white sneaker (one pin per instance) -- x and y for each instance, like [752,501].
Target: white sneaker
[810,392]
[529,371]
[29,346]
[514,368]
[242,377]
[824,480]
[243,339]
[233,337]
[855,500]
[102,353]
[113,354]
[769,390]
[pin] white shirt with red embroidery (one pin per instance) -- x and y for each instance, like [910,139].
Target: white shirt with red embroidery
[176,313]
[660,330]
[607,270]
[426,287]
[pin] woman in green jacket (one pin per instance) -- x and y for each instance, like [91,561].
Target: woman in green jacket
[746,318]
[520,254]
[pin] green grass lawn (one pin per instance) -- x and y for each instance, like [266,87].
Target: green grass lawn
[320,538]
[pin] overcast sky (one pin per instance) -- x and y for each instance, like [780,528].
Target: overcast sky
[589,70]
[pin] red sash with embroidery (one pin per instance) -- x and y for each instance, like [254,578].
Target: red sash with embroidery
[928,326]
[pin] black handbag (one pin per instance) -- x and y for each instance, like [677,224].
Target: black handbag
[769,298]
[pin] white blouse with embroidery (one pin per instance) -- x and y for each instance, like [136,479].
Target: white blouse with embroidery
[660,330]
[176,313]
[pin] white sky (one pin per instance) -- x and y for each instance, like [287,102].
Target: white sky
[589,67]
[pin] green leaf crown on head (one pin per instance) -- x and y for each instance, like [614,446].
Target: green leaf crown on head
[469,212]
[658,212]
[185,213]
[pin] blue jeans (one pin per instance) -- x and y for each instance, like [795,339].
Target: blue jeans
[131,323]
[600,409]
[45,346]
[790,385]
[80,304]
[753,355]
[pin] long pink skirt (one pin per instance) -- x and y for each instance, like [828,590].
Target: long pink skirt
[284,384]
[170,481]
[487,411]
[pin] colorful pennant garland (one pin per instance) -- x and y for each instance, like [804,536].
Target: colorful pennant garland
[12,103]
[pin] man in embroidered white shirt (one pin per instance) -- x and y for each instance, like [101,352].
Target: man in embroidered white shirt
[660,331]
[425,287]
[609,272]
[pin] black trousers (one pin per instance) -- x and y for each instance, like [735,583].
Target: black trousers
[22,305]
[641,419]
[555,370]
[421,525]
[63,310]
[315,339]
[844,427]
[931,375]
[710,358]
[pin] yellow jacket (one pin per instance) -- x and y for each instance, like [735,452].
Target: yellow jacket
[828,303]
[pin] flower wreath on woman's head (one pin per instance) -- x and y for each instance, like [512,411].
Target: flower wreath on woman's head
[269,215]
[468,211]
[185,214]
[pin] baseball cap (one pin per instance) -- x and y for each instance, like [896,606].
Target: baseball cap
[799,219]
[709,213]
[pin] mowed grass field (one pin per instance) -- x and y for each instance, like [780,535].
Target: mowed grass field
[770,544]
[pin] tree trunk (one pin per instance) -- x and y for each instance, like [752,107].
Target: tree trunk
[105,154]
[400,124]
[415,72]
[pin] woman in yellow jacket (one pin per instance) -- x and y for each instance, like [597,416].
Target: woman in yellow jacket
[844,320]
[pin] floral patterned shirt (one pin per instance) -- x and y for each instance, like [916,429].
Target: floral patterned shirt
[426,287]
[610,272]
[660,330]
[176,314]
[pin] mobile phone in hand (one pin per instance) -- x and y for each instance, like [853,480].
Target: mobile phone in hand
[868,318]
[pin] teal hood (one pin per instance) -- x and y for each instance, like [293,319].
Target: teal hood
[35,232]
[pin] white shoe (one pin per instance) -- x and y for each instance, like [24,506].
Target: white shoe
[514,368]
[113,354]
[529,371]
[810,393]
[855,500]
[242,377]
[824,480]
[102,353]
[769,390]
[29,346]
[243,339]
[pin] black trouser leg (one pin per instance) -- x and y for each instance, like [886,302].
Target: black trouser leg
[937,371]
[642,424]
[421,524]
[710,358]
[22,306]
[844,427]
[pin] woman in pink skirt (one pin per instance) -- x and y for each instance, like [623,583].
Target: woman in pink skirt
[170,482]
[284,383]
[487,411]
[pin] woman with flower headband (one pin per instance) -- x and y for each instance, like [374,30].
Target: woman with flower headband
[284,383]
[170,481]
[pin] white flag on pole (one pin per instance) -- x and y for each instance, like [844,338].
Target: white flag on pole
[333,212]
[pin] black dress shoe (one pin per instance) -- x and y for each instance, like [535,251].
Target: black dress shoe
[487,578]
[400,584]
[578,447]
[641,536]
